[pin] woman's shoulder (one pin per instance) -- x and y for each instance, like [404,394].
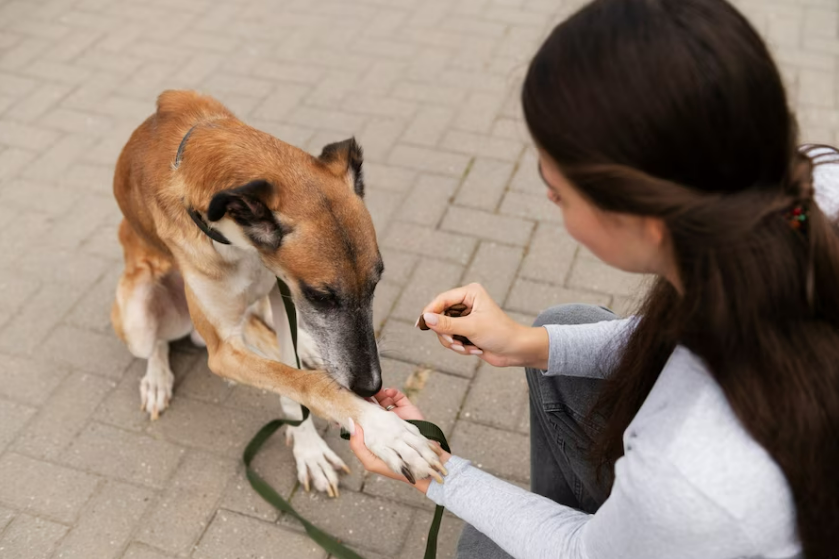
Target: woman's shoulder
[825,177]
[687,428]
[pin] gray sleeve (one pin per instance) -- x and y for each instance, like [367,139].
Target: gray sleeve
[649,515]
[587,350]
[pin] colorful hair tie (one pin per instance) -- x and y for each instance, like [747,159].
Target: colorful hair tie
[797,218]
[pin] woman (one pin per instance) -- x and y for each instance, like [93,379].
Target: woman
[708,427]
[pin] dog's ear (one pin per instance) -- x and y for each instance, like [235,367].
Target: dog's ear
[348,156]
[246,206]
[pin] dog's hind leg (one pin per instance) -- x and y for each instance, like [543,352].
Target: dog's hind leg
[150,310]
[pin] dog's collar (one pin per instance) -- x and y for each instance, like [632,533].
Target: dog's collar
[193,213]
[202,225]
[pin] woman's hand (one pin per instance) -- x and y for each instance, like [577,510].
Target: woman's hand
[405,410]
[502,341]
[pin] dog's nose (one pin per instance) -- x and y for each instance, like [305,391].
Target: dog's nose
[366,387]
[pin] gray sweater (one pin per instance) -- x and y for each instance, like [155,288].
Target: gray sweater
[692,482]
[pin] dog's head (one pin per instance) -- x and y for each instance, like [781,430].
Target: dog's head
[308,222]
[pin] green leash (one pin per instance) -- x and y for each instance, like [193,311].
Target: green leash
[264,489]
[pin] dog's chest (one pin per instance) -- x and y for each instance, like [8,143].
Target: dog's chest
[249,279]
[226,300]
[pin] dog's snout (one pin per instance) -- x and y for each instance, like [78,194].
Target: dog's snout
[366,387]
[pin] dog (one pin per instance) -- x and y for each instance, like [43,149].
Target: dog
[213,212]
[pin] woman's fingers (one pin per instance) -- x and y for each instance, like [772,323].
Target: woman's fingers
[452,297]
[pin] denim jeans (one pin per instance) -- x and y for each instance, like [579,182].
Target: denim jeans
[561,434]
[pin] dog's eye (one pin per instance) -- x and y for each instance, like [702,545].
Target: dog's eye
[325,298]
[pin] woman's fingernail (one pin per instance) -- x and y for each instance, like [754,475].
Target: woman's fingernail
[458,348]
[351,429]
[430,319]
[416,324]
[448,338]
[475,352]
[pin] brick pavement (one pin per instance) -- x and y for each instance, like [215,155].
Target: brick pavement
[430,88]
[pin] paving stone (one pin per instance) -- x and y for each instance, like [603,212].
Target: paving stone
[485,184]
[550,256]
[379,136]
[71,346]
[141,551]
[22,487]
[122,455]
[200,383]
[532,297]
[381,204]
[432,90]
[430,278]
[107,522]
[597,276]
[121,407]
[437,394]
[401,340]
[28,537]
[13,417]
[25,136]
[388,177]
[428,126]
[30,381]
[427,201]
[428,242]
[479,112]
[498,397]
[429,160]
[6,516]
[234,535]
[63,416]
[185,506]
[383,529]
[530,206]
[503,229]
[201,425]
[501,453]
[494,267]
[482,145]
[276,465]
[526,178]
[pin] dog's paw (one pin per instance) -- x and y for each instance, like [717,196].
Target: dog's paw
[156,390]
[400,445]
[316,462]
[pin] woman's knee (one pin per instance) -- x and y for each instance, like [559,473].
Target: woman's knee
[575,313]
[475,545]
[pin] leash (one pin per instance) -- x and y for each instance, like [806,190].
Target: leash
[334,547]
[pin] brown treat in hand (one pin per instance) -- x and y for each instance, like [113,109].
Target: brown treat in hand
[454,311]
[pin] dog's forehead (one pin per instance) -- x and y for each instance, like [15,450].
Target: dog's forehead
[331,239]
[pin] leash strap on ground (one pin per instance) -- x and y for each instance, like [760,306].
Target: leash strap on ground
[335,548]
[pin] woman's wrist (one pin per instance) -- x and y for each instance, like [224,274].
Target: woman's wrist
[533,347]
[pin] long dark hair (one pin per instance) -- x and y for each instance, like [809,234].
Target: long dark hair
[675,109]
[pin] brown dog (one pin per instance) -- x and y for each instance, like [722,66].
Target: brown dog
[214,210]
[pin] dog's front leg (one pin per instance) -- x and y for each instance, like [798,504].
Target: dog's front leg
[398,443]
[316,462]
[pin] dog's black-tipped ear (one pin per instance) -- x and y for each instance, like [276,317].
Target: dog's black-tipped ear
[350,154]
[246,206]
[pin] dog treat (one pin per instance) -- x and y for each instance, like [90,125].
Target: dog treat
[454,311]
